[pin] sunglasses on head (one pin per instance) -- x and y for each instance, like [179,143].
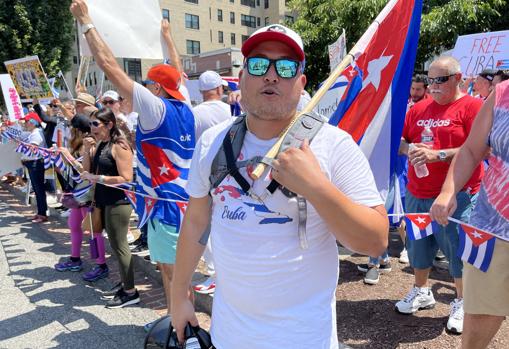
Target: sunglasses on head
[94,123]
[285,68]
[439,79]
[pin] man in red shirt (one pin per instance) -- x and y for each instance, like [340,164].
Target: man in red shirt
[449,114]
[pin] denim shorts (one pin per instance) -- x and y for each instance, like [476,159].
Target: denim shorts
[162,242]
[421,253]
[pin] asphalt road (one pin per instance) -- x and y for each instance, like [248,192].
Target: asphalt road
[43,308]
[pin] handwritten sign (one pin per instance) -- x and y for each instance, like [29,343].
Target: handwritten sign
[481,51]
[29,78]
[337,51]
[11,98]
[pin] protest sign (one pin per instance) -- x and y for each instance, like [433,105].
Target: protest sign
[477,52]
[337,51]
[11,98]
[11,161]
[29,78]
[125,21]
[328,104]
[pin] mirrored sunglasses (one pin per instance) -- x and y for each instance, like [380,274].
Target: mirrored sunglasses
[285,68]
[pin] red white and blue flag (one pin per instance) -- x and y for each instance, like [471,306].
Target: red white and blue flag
[476,246]
[419,226]
[372,107]
[142,205]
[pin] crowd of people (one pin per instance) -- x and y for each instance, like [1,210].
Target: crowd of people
[263,239]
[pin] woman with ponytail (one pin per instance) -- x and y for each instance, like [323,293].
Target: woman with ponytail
[108,160]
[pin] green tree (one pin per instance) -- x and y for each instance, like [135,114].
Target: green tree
[34,27]
[320,22]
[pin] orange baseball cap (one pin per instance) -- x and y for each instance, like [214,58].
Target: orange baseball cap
[168,77]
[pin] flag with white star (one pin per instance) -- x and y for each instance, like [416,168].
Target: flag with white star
[419,226]
[476,246]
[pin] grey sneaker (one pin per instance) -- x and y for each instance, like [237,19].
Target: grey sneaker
[385,268]
[416,299]
[372,276]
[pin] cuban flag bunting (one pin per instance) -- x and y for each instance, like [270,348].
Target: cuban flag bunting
[419,226]
[142,205]
[372,106]
[476,246]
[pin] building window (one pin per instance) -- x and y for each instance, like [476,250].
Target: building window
[258,21]
[193,47]
[192,1]
[244,38]
[133,68]
[266,3]
[267,21]
[250,3]
[220,37]
[220,15]
[232,17]
[257,2]
[289,19]
[232,38]
[248,21]
[232,1]
[192,21]
[166,14]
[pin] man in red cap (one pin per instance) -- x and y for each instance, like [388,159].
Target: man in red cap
[275,282]
[165,141]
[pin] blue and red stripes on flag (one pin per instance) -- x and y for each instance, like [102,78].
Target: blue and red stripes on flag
[419,226]
[503,64]
[476,246]
[373,105]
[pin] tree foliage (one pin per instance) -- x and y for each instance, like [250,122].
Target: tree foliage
[320,22]
[35,27]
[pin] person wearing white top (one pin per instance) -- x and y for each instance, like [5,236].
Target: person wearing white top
[271,291]
[212,110]
[35,165]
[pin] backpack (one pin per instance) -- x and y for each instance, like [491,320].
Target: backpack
[306,126]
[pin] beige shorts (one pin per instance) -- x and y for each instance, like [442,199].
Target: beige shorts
[488,293]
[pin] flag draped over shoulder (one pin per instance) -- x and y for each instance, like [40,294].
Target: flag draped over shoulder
[373,105]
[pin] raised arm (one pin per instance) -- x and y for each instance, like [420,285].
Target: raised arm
[101,52]
[170,44]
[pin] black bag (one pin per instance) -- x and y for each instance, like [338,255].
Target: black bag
[162,335]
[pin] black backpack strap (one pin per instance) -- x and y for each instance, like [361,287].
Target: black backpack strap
[233,170]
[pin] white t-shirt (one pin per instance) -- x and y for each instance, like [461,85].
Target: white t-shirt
[36,137]
[270,293]
[208,114]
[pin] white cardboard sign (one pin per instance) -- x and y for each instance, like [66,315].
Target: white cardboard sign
[11,98]
[477,52]
[131,28]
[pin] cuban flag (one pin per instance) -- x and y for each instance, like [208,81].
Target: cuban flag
[503,64]
[46,155]
[476,246]
[372,107]
[58,162]
[419,226]
[233,84]
[142,205]
[79,192]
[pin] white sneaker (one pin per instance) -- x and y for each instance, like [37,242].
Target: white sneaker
[403,257]
[207,287]
[130,237]
[455,322]
[416,299]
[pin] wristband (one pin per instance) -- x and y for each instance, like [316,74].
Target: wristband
[86,27]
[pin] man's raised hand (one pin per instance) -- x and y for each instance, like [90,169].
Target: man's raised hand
[79,10]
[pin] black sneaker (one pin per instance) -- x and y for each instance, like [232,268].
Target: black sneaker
[123,299]
[385,268]
[140,249]
[107,295]
[136,242]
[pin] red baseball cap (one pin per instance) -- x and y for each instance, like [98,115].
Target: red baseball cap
[168,77]
[32,116]
[275,32]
